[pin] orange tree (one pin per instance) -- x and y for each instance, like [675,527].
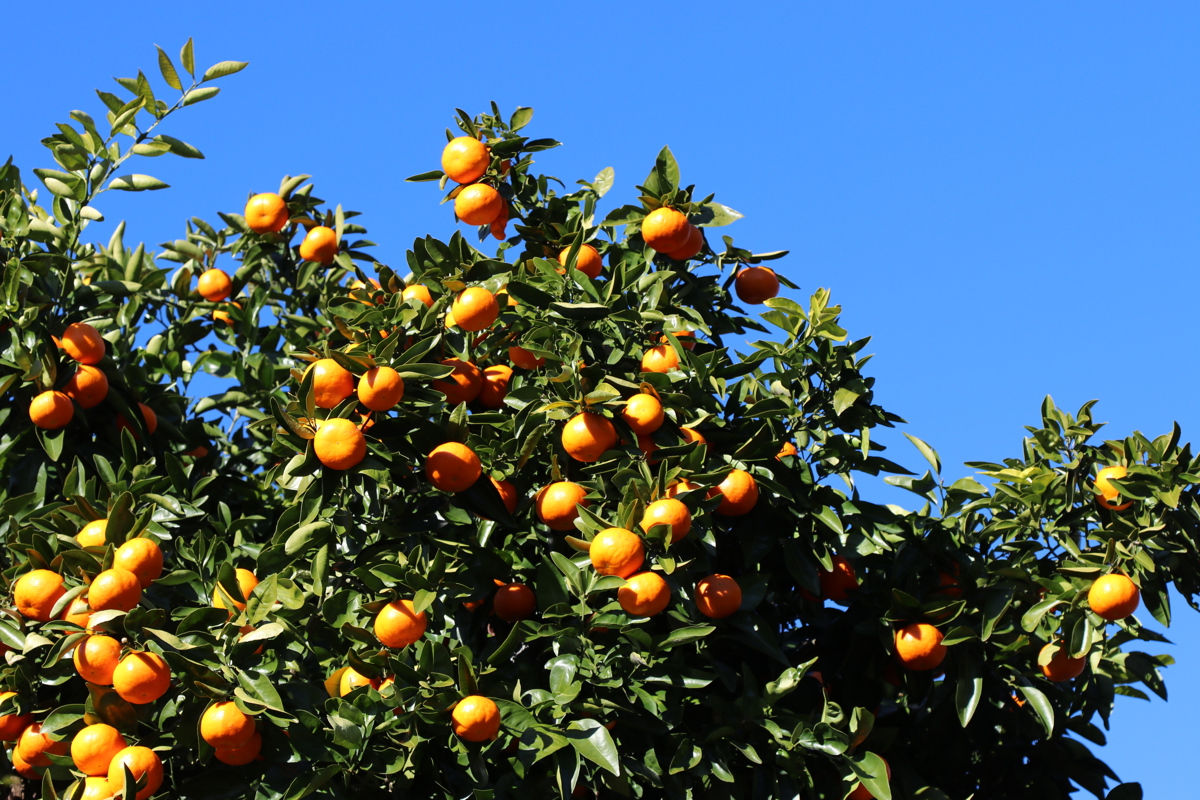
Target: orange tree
[520,521]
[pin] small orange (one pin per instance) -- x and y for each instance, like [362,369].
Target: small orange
[240,756]
[417,292]
[644,594]
[465,159]
[476,719]
[660,358]
[668,511]
[497,226]
[587,436]
[78,612]
[690,248]
[475,308]
[514,602]
[51,410]
[587,260]
[556,504]
[508,493]
[520,357]
[83,343]
[142,557]
[648,447]
[398,624]
[1108,492]
[616,551]
[496,379]
[223,725]
[1061,666]
[11,725]
[24,768]
[352,679]
[1114,597]
[149,419]
[643,413]
[142,677]
[266,213]
[339,444]
[33,745]
[379,389]
[949,583]
[246,581]
[692,436]
[114,589]
[837,584]
[739,493]
[718,596]
[332,383]
[453,467]
[94,747]
[221,315]
[88,386]
[95,788]
[96,658]
[788,449]
[919,646]
[478,204]
[462,385]
[214,285]
[141,761]
[687,339]
[36,592]
[678,488]
[756,284]
[665,229]
[320,244]
[92,534]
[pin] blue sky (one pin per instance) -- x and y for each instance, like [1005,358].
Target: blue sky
[1004,196]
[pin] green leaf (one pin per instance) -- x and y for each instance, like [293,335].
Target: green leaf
[715,215]
[520,118]
[843,398]
[136,183]
[432,175]
[604,181]
[593,741]
[200,94]
[187,57]
[1126,791]
[684,635]
[969,688]
[168,69]
[1041,706]
[179,148]
[1033,617]
[928,452]
[222,69]
[871,771]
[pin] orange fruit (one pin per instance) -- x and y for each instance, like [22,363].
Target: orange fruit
[495,386]
[332,383]
[417,292]
[24,768]
[660,358]
[246,581]
[1108,492]
[223,725]
[214,285]
[676,489]
[520,357]
[96,658]
[265,213]
[453,467]
[36,592]
[478,204]
[643,413]
[644,594]
[616,551]
[948,583]
[142,557]
[668,511]
[51,410]
[691,247]
[11,725]
[508,493]
[197,452]
[352,679]
[788,449]
[141,761]
[1061,666]
[692,436]
[398,624]
[379,389]
[83,343]
[320,244]
[149,418]
[686,338]
[514,602]
[1114,597]
[718,596]
[756,284]
[497,226]
[462,385]
[665,229]
[240,756]
[837,584]
[475,308]
[221,315]
[465,159]
[863,793]
[94,747]
[78,612]
[92,534]
[339,444]
[88,386]
[142,677]
[476,719]
[556,503]
[33,745]
[919,646]
[648,447]
[95,788]
[739,493]
[587,260]
[587,436]
[114,589]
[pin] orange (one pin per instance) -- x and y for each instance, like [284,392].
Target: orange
[476,719]
[142,677]
[495,386]
[94,747]
[379,389]
[142,557]
[616,551]
[788,449]
[266,213]
[837,584]
[660,358]
[114,589]
[948,583]
[514,602]
[36,592]
[756,284]
[214,285]
[240,756]
[33,745]
[83,343]
[587,260]
[465,159]
[497,226]
[556,504]
[1108,492]
[643,413]
[223,725]
[520,357]
[648,447]
[221,315]
[508,493]
[644,594]
[692,436]
[11,725]
[96,658]
[320,244]
[475,308]
[587,436]
[668,511]
[1061,666]
[1114,597]
[478,204]
[88,386]
[95,788]
[718,596]
[665,229]
[141,761]
[863,793]
[339,444]
[919,646]
[739,493]
[691,247]
[352,679]
[78,612]
[453,467]
[332,383]
[246,581]
[51,410]
[417,292]
[676,489]
[686,338]
[197,452]
[92,534]
[24,768]
[462,385]
[398,624]
[149,418]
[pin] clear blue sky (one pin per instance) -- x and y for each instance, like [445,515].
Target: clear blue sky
[1004,195]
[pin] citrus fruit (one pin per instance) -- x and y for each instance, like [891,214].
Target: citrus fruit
[660,358]
[691,246]
[453,467]
[398,624]
[331,382]
[83,343]
[1109,494]
[837,583]
[78,612]
[92,534]
[114,589]
[88,386]
[616,551]
[692,436]
[643,413]
[417,292]
[96,658]
[496,379]
[465,159]
[668,511]
[476,719]
[96,788]
[221,315]
[246,581]
[51,410]
[718,596]
[514,602]
[687,339]
[339,444]
[556,503]
[141,761]
[497,226]
[587,436]
[679,487]
[33,745]
[739,493]
[94,747]
[240,756]
[462,385]
[143,557]
[587,260]
[788,449]
[141,677]
[507,492]
[475,308]
[919,646]
[149,419]
[214,285]
[266,213]
[665,229]
[1114,597]
[352,679]
[24,768]
[949,583]
[379,389]
[223,725]
[756,284]
[478,204]
[1061,667]
[36,592]
[644,594]
[520,357]
[11,725]
[648,447]
[320,244]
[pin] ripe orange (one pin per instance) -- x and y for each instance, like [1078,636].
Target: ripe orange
[508,493]
[668,511]
[142,677]
[616,551]
[475,308]
[223,725]
[88,386]
[332,383]
[644,594]
[478,204]
[496,379]
[497,226]
[949,583]
[648,447]
[320,244]
[837,584]
[266,213]
[462,385]
[246,581]
[1108,492]
[739,493]
[94,747]
[92,534]
[587,436]
[141,761]
[686,338]
[520,357]
[556,504]
[417,292]
[11,725]
[476,719]
[398,624]
[718,596]
[1061,666]
[339,444]
[214,285]
[514,602]
[78,612]
[95,788]
[756,284]
[352,679]
[676,489]
[1114,597]
[691,247]
[665,229]
[221,315]
[863,793]
[33,745]
[379,389]
[788,449]
[114,589]
[660,358]
[149,418]
[465,159]
[919,646]
[36,592]
[587,260]
[692,436]
[51,410]
[24,768]
[142,557]
[453,467]
[96,658]
[643,413]
[240,756]
[83,343]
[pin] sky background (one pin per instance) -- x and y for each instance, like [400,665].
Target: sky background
[1005,196]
